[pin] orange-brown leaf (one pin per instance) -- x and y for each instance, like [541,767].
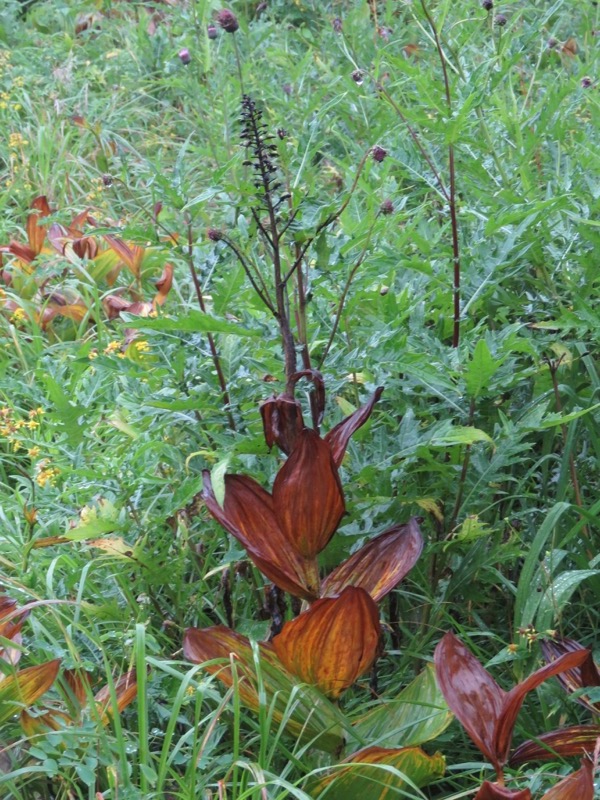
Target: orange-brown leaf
[125,691]
[163,285]
[579,677]
[339,436]
[514,699]
[248,515]
[471,693]
[307,495]
[565,742]
[24,687]
[493,791]
[576,786]
[332,643]
[37,233]
[380,565]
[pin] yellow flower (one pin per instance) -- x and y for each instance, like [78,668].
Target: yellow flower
[142,346]
[33,452]
[18,316]
[16,445]
[32,424]
[111,347]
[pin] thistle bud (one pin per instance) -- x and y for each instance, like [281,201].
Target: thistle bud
[357,77]
[551,43]
[586,82]
[184,56]
[387,207]
[337,25]
[379,153]
[228,20]
[487,4]
[211,30]
[500,20]
[214,234]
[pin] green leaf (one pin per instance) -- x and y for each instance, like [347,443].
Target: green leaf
[480,369]
[217,478]
[192,322]
[379,774]
[562,419]
[91,529]
[419,713]
[456,434]
[558,594]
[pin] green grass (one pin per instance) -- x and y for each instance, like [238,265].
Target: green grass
[484,441]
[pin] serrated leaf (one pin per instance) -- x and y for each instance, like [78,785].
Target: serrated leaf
[480,369]
[192,322]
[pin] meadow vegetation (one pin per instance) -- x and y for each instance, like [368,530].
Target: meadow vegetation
[299,399]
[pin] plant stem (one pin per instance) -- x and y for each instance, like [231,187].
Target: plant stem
[211,342]
[452,197]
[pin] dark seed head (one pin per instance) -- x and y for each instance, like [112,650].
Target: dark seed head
[211,30]
[357,76]
[185,56]
[337,25]
[282,133]
[378,153]
[500,20]
[214,234]
[586,82]
[487,4]
[228,20]
[387,207]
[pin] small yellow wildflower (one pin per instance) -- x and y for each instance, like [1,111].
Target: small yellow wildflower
[15,140]
[33,452]
[142,346]
[46,475]
[111,347]
[32,424]
[93,354]
[18,316]
[16,444]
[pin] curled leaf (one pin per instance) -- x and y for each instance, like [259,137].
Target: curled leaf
[282,421]
[37,233]
[22,689]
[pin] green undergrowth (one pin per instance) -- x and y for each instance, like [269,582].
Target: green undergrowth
[107,424]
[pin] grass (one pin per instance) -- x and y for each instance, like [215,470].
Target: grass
[494,442]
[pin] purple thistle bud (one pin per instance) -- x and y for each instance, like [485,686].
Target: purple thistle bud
[387,207]
[337,25]
[378,153]
[211,30]
[500,20]
[214,234]
[586,82]
[487,4]
[184,56]
[551,43]
[287,88]
[228,20]
[357,77]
